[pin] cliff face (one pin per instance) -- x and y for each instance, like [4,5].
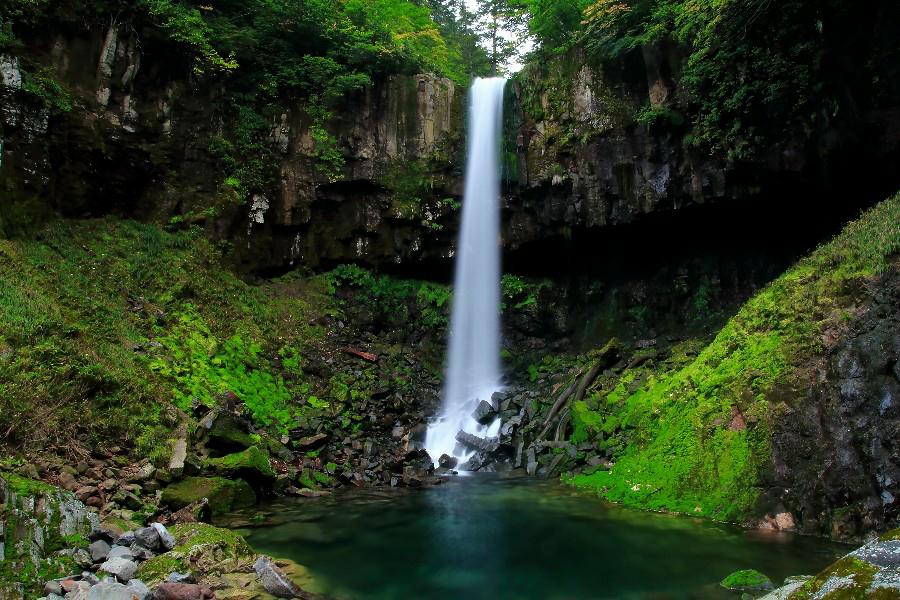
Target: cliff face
[586,147]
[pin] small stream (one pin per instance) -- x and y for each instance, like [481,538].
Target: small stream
[483,536]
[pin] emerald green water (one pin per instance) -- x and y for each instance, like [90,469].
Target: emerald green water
[516,539]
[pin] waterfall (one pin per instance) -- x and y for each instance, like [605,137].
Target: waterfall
[473,368]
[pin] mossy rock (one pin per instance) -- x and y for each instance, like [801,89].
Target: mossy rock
[251,465]
[228,434]
[202,550]
[748,580]
[224,495]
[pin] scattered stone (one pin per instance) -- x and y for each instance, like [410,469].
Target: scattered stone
[145,473]
[123,569]
[139,590]
[126,539]
[148,537]
[175,577]
[85,492]
[67,481]
[120,552]
[53,587]
[166,540]
[179,453]
[274,579]
[141,553]
[311,442]
[110,590]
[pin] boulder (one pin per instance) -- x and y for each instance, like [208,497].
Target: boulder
[224,432]
[166,541]
[138,590]
[109,590]
[748,580]
[120,552]
[122,568]
[200,549]
[274,580]
[448,462]
[477,443]
[252,465]
[99,551]
[223,495]
[148,537]
[484,412]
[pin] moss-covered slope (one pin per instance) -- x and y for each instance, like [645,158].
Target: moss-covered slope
[698,432]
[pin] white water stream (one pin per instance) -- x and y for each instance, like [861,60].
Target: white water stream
[473,369]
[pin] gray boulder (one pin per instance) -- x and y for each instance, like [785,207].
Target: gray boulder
[139,591]
[148,537]
[99,551]
[119,552]
[108,590]
[166,540]
[274,580]
[484,412]
[122,568]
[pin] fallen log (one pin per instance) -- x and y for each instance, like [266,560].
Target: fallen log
[366,356]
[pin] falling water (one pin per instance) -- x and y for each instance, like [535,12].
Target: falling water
[473,371]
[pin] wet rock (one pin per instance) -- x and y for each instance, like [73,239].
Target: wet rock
[176,577]
[484,412]
[274,579]
[448,462]
[122,568]
[531,464]
[477,443]
[126,539]
[99,551]
[182,591]
[748,580]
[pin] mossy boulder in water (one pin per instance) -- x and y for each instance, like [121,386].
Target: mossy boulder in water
[748,580]
[251,465]
[203,551]
[224,495]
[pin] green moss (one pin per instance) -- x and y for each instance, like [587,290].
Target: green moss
[224,495]
[683,454]
[23,486]
[860,571]
[893,535]
[746,580]
[251,463]
[200,549]
[585,422]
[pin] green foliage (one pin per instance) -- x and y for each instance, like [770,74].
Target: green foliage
[41,85]
[88,308]
[202,370]
[685,452]
[186,25]
[754,72]
[521,293]
[394,299]
[746,579]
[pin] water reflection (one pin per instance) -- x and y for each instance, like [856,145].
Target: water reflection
[486,537]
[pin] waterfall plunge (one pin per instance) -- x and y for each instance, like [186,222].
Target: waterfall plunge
[473,370]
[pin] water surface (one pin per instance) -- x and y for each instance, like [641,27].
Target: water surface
[517,539]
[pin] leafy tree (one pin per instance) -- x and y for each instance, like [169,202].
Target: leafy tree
[503,26]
